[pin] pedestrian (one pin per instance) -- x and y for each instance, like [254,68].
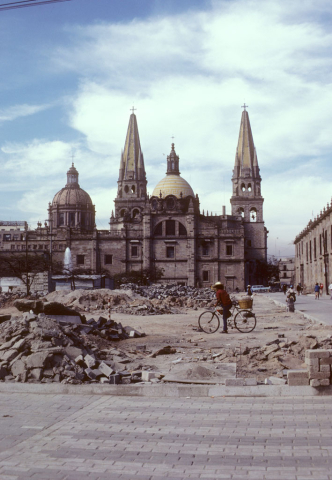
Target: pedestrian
[298,288]
[291,295]
[284,288]
[249,291]
[317,291]
[224,300]
[321,288]
[330,288]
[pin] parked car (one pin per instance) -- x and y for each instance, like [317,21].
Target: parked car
[260,289]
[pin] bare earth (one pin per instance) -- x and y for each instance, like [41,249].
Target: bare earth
[199,353]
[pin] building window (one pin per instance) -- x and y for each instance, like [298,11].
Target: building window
[16,237]
[35,247]
[72,219]
[158,231]
[229,249]
[285,275]
[83,219]
[108,259]
[12,247]
[320,244]
[205,250]
[206,275]
[60,247]
[285,268]
[315,249]
[170,252]
[79,259]
[170,227]
[61,219]
[7,237]
[23,247]
[302,247]
[40,247]
[134,251]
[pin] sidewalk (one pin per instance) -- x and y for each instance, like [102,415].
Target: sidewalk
[318,310]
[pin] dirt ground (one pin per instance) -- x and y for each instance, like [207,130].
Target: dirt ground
[259,354]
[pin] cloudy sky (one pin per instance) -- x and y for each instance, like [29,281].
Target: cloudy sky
[71,71]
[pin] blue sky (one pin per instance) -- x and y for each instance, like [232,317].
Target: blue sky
[71,71]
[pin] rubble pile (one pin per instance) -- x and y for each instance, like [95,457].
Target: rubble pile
[36,348]
[132,299]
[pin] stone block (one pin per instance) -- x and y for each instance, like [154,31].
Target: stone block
[105,369]
[115,379]
[19,344]
[104,380]
[147,376]
[235,382]
[37,360]
[320,375]
[319,353]
[320,383]
[250,382]
[326,361]
[276,381]
[141,348]
[79,360]
[297,378]
[313,369]
[72,352]
[93,374]
[325,368]
[18,367]
[9,355]
[312,361]
[10,343]
[36,373]
[90,361]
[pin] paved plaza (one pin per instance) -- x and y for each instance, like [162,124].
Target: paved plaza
[134,438]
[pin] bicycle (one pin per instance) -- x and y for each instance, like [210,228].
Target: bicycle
[244,319]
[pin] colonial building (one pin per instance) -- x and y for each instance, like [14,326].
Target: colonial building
[313,251]
[287,271]
[167,230]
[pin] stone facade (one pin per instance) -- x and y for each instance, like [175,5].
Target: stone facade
[287,271]
[168,229]
[313,247]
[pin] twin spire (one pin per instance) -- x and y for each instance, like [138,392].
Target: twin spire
[246,164]
[132,160]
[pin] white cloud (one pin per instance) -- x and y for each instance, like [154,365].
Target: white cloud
[16,111]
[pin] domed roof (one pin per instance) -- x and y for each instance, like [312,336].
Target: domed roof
[72,196]
[173,185]
[72,193]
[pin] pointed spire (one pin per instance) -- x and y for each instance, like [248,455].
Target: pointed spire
[246,164]
[132,161]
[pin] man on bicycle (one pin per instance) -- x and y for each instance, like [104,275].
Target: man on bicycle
[224,300]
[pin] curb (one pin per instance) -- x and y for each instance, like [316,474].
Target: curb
[163,391]
[298,312]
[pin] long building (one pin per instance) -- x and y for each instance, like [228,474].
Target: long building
[166,230]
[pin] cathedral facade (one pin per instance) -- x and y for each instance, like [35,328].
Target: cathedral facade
[166,230]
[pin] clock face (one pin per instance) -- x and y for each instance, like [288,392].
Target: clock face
[170,203]
[154,204]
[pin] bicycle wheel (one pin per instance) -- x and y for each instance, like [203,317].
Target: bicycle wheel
[245,321]
[209,322]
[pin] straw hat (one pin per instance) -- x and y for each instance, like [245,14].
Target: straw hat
[216,285]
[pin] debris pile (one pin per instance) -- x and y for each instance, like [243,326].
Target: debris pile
[36,348]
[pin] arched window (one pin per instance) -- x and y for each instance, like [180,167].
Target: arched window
[182,229]
[243,187]
[135,213]
[123,212]
[170,227]
[249,187]
[158,231]
[126,189]
[133,189]
[253,214]
[240,211]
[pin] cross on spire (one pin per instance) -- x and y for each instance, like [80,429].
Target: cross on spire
[133,109]
[244,106]
[72,158]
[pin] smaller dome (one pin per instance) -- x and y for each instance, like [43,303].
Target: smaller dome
[72,196]
[173,185]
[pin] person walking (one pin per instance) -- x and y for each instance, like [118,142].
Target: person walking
[298,288]
[321,288]
[249,291]
[330,288]
[224,300]
[317,289]
[284,288]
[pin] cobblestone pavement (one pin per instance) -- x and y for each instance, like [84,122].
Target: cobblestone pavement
[71,437]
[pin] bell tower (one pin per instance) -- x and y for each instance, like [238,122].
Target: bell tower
[247,199]
[132,181]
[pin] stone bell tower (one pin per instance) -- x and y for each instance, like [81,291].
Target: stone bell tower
[247,200]
[132,181]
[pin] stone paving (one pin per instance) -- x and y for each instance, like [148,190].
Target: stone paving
[71,437]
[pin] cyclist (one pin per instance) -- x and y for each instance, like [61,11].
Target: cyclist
[224,300]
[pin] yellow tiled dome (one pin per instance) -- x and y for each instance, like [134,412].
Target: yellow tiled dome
[173,185]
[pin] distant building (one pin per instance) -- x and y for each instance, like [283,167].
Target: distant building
[313,251]
[167,230]
[287,271]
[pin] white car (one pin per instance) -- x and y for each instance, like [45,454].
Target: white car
[260,289]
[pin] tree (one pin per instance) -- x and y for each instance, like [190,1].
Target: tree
[267,271]
[24,266]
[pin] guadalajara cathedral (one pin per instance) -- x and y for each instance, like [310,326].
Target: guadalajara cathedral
[167,229]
